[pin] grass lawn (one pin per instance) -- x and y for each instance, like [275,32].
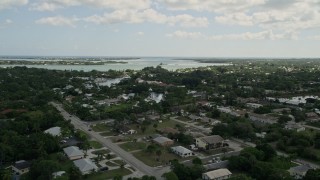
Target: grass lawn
[151,159]
[102,151]
[181,118]
[118,161]
[100,127]
[95,144]
[109,163]
[131,146]
[282,163]
[217,151]
[151,130]
[109,174]
[107,133]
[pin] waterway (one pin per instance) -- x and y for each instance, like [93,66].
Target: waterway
[133,64]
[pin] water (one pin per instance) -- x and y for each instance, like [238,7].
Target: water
[133,64]
[109,82]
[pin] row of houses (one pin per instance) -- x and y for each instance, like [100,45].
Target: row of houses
[85,165]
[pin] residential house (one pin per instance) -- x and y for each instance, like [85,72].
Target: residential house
[163,141]
[218,174]
[298,172]
[312,117]
[253,105]
[261,135]
[228,110]
[21,167]
[291,125]
[168,130]
[58,174]
[194,117]
[86,166]
[54,131]
[281,110]
[264,119]
[73,152]
[210,142]
[182,151]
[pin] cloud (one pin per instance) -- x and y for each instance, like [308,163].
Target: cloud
[263,35]
[186,35]
[51,5]
[6,23]
[5,4]
[44,6]
[57,21]
[235,18]
[140,33]
[147,15]
[211,5]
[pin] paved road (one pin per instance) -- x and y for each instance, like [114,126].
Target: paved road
[311,127]
[129,158]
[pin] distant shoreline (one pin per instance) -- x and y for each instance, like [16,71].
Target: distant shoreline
[59,62]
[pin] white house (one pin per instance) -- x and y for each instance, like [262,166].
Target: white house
[218,174]
[86,166]
[54,131]
[73,152]
[182,151]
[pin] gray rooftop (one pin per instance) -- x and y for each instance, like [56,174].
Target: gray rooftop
[85,165]
[212,139]
[73,151]
[161,139]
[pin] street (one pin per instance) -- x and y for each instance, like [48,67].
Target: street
[127,157]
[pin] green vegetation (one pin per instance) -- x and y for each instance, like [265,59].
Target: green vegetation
[109,174]
[95,144]
[132,146]
[100,127]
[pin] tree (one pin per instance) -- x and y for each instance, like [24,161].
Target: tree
[151,148]
[143,129]
[74,173]
[43,169]
[240,177]
[222,130]
[155,126]
[268,151]
[197,161]
[117,177]
[283,119]
[170,176]
[159,152]
[312,174]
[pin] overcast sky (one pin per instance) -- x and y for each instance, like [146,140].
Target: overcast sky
[191,28]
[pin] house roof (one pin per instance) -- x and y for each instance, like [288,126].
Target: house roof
[54,131]
[85,165]
[168,130]
[58,173]
[22,164]
[212,139]
[301,169]
[218,173]
[161,139]
[73,151]
[181,149]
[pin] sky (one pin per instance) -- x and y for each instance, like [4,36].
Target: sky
[180,28]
